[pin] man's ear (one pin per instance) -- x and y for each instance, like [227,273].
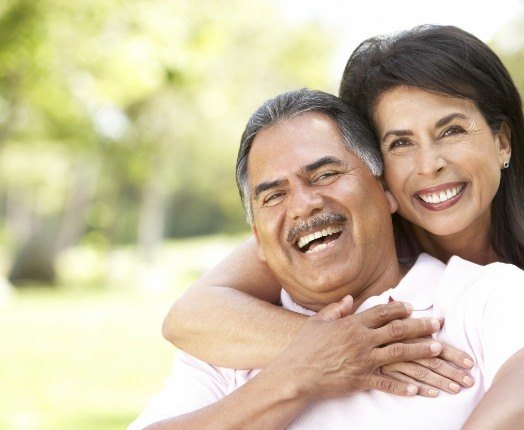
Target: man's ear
[257,238]
[392,202]
[504,140]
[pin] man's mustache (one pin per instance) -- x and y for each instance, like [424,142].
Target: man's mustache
[315,222]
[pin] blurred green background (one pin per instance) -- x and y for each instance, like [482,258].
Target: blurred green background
[119,126]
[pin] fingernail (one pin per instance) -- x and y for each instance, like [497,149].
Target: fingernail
[412,390]
[454,387]
[432,392]
[435,347]
[435,324]
[468,381]
[408,307]
[468,362]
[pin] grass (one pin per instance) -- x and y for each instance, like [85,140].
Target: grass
[78,358]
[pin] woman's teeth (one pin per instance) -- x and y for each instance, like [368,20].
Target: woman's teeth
[442,196]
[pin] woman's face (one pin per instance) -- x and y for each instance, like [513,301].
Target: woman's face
[442,162]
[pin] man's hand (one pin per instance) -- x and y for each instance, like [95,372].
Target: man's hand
[336,353]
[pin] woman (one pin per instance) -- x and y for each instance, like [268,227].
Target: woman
[449,123]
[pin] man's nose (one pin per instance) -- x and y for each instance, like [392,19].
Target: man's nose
[429,160]
[305,201]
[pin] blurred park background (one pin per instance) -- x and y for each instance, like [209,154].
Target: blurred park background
[119,126]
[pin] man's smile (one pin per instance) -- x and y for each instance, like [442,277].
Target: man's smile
[315,233]
[318,240]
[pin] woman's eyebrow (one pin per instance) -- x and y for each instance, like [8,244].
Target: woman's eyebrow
[441,122]
[397,133]
[449,118]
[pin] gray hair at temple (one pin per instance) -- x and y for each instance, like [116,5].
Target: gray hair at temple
[355,131]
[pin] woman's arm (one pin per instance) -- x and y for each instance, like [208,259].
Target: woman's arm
[229,317]
[502,406]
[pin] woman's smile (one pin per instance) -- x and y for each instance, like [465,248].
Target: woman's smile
[442,161]
[442,196]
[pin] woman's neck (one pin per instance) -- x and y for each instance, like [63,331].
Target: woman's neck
[473,244]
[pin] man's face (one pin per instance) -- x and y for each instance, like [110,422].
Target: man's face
[321,218]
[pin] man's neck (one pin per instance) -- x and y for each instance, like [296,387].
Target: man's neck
[369,285]
[388,279]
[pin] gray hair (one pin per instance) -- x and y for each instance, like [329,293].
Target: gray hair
[355,130]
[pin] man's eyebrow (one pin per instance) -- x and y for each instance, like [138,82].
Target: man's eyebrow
[264,186]
[321,162]
[441,122]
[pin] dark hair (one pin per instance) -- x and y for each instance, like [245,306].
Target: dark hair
[355,130]
[449,61]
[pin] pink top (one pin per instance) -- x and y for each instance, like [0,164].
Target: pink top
[483,310]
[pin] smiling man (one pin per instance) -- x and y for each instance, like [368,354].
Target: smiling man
[309,178]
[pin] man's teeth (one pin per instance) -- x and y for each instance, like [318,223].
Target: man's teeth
[304,240]
[442,196]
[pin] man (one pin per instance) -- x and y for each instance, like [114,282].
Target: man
[311,188]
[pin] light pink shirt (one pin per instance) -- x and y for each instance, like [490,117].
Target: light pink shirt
[483,308]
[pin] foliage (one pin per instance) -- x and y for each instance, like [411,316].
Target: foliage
[509,44]
[137,108]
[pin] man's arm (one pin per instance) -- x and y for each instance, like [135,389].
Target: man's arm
[502,407]
[305,371]
[268,401]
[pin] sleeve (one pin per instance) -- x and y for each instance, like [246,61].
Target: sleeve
[192,385]
[502,319]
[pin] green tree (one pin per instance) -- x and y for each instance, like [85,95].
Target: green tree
[126,116]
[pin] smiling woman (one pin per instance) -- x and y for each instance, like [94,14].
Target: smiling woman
[443,166]
[448,117]
[448,121]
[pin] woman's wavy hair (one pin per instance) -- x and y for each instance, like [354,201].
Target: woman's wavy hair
[450,61]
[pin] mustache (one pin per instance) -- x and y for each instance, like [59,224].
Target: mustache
[317,221]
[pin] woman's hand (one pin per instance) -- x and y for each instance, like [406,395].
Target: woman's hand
[447,372]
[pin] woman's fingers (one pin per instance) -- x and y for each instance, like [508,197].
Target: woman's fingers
[424,375]
[456,357]
[454,377]
[423,389]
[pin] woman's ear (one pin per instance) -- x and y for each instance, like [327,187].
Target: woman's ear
[504,141]
[260,252]
[392,202]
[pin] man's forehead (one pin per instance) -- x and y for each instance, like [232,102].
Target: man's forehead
[297,151]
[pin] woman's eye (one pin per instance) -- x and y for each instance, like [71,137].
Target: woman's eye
[399,143]
[453,130]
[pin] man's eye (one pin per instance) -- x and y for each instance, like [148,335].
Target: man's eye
[453,130]
[325,177]
[273,198]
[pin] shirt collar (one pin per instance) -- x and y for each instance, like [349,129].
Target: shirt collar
[417,287]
